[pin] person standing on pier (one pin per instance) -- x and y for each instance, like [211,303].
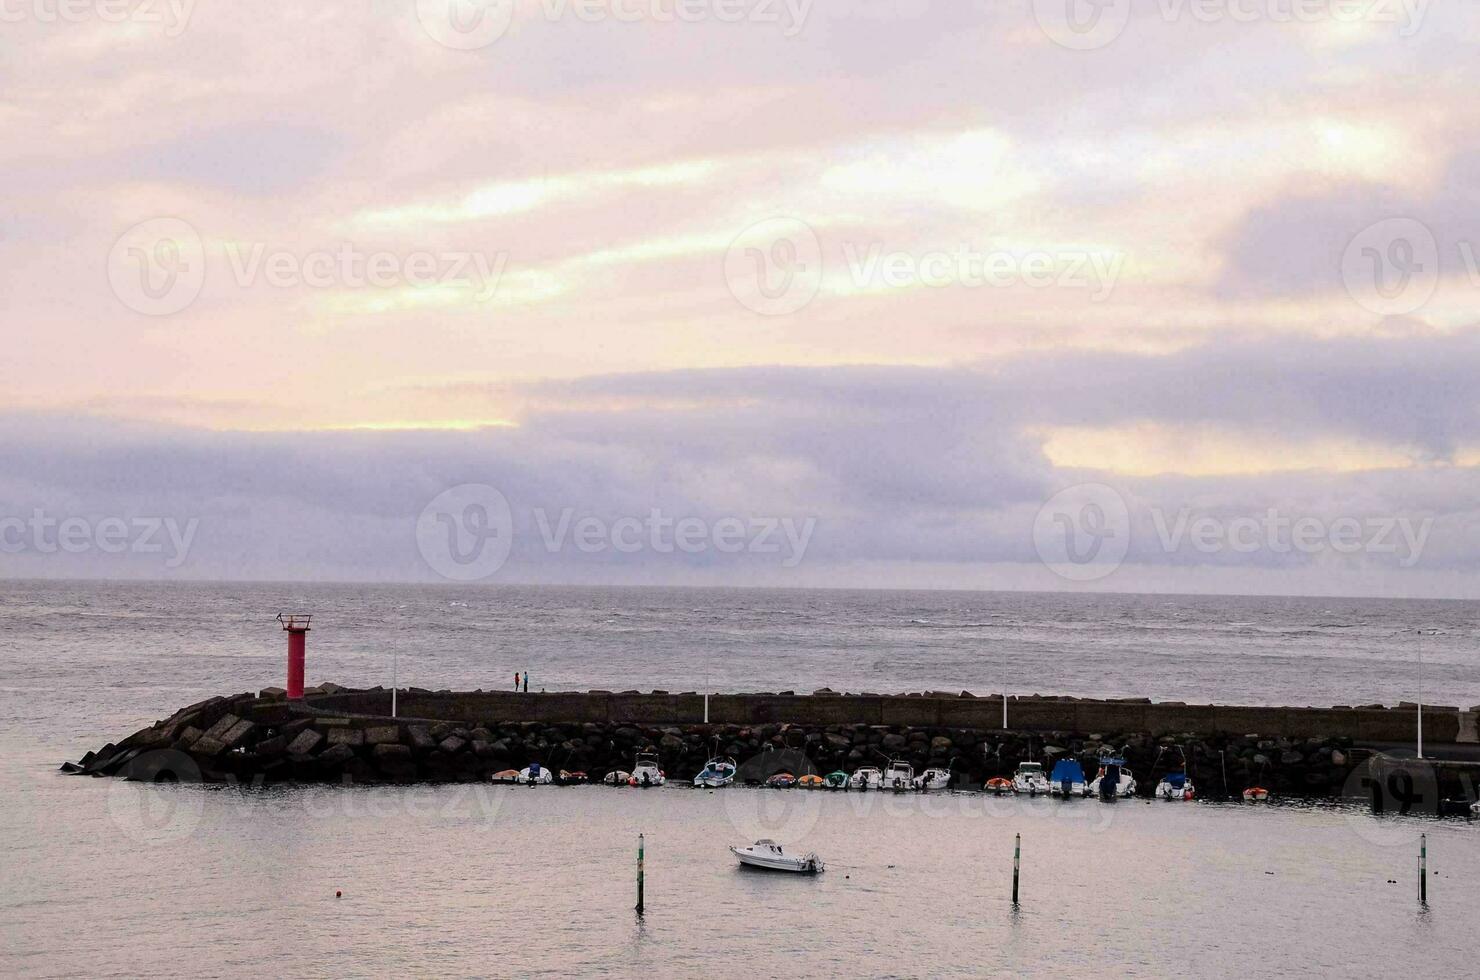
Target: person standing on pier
[526,682]
[516,682]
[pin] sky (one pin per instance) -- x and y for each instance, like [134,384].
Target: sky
[1130,295]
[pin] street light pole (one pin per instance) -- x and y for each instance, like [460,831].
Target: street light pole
[395,671]
[1004,688]
[1420,694]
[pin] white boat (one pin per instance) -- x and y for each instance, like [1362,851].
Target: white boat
[866,778]
[1475,808]
[899,776]
[933,779]
[534,775]
[1175,786]
[1030,778]
[618,778]
[717,772]
[646,772]
[1122,783]
[769,855]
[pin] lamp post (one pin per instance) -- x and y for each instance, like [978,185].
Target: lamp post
[395,671]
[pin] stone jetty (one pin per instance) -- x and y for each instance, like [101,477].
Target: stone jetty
[343,735]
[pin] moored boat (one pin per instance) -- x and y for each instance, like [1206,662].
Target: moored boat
[1175,786]
[645,771]
[567,778]
[866,778]
[1113,781]
[781,780]
[899,776]
[810,781]
[717,772]
[1030,778]
[1067,779]
[769,855]
[1256,794]
[506,776]
[836,780]
[619,777]
[933,778]
[1000,785]
[534,775]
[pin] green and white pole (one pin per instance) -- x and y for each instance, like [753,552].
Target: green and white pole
[1017,857]
[1423,870]
[639,873]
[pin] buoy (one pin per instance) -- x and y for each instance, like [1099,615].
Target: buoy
[337,893]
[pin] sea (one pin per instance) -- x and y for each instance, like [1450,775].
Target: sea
[102,877]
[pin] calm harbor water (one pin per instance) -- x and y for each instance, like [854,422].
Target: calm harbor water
[106,878]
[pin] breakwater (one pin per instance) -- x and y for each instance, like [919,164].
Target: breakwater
[341,735]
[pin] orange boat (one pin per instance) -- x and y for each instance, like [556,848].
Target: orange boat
[999,785]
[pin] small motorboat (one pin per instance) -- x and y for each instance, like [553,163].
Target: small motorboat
[567,778]
[1256,794]
[646,772]
[1174,786]
[1030,778]
[769,855]
[781,780]
[534,775]
[811,781]
[836,780]
[933,778]
[717,772]
[1067,779]
[866,778]
[999,785]
[506,776]
[1475,808]
[620,777]
[1114,780]
[899,776]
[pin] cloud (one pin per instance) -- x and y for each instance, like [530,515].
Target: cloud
[901,470]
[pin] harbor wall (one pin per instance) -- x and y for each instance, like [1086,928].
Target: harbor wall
[1363,724]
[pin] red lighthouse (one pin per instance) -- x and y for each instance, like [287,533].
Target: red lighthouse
[297,629]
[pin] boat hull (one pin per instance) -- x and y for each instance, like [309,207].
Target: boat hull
[808,865]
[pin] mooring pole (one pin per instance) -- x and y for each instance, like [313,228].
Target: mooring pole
[1017,855]
[1423,869]
[639,873]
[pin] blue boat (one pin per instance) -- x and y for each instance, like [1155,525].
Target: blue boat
[1067,779]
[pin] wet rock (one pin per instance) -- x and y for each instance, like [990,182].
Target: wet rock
[451,745]
[336,755]
[420,737]
[346,736]
[382,735]
[304,742]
